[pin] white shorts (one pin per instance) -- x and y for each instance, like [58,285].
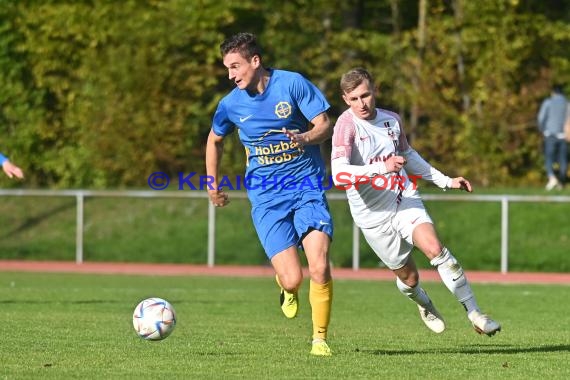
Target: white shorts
[392,241]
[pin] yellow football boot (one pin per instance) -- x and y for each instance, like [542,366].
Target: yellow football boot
[288,301]
[320,348]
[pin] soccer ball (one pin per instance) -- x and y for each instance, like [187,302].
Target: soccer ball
[154,319]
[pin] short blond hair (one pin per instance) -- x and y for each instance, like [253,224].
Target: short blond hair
[353,78]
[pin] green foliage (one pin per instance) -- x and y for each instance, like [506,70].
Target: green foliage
[101,94]
[485,116]
[21,110]
[127,87]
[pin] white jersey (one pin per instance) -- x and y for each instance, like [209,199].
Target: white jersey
[360,147]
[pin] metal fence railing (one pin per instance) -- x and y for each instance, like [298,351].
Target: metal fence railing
[80,196]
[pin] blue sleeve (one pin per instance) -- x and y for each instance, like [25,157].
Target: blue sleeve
[310,99]
[221,124]
[3,159]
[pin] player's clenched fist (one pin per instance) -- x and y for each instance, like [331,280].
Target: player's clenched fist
[461,183]
[394,164]
[218,198]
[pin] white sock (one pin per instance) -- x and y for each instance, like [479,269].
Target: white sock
[454,279]
[416,293]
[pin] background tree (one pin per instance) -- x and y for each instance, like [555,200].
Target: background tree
[101,94]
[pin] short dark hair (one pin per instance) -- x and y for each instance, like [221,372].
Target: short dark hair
[243,43]
[353,78]
[557,88]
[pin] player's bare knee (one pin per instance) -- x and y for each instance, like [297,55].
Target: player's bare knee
[413,279]
[291,281]
[408,274]
[406,287]
[433,250]
[320,272]
[436,253]
[319,276]
[410,279]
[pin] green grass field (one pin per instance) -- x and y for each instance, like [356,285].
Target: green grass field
[57,326]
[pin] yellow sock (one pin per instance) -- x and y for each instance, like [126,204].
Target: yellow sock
[320,297]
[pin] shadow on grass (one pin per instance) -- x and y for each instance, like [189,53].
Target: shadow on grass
[105,301]
[495,349]
[39,302]
[37,219]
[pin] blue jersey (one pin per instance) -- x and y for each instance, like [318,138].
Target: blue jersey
[275,166]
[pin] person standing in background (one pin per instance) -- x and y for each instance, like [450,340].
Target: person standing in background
[551,119]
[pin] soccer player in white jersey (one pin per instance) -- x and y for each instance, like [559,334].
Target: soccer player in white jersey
[370,159]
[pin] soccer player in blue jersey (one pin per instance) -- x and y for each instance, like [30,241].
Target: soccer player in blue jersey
[9,168]
[281,118]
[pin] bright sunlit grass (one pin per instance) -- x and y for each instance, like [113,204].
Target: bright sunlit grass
[58,326]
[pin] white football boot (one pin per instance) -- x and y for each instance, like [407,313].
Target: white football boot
[483,324]
[432,318]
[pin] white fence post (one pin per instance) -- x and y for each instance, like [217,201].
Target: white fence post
[211,234]
[504,235]
[79,229]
